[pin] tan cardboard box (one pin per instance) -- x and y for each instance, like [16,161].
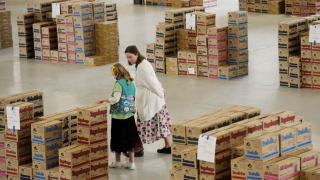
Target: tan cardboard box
[307,81]
[215,63]
[202,51]
[37,27]
[99,169]
[255,168]
[270,121]
[80,9]
[24,132]
[25,171]
[25,30]
[288,28]
[70,156]
[238,31]
[174,16]
[189,157]
[49,31]
[295,61]
[284,116]
[173,70]
[237,133]
[92,135]
[288,41]
[172,61]
[295,82]
[53,173]
[218,53]
[12,165]
[203,71]
[219,43]
[237,151]
[217,32]
[46,152]
[288,140]
[308,158]
[54,56]
[46,55]
[228,72]
[176,173]
[203,61]
[49,43]
[18,150]
[192,57]
[304,134]
[193,67]
[223,140]
[237,18]
[287,168]
[182,56]
[306,56]
[25,19]
[165,30]
[262,147]
[46,131]
[25,42]
[238,168]
[202,41]
[80,173]
[176,152]
[190,172]
[98,152]
[162,54]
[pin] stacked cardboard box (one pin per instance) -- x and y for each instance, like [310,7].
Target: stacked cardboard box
[50,41]
[301,7]
[25,34]
[111,11]
[5,29]
[65,33]
[2,4]
[26,171]
[150,51]
[3,169]
[175,3]
[38,39]
[18,142]
[217,47]
[35,97]
[84,31]
[92,134]
[106,43]
[69,125]
[276,7]
[46,139]
[99,12]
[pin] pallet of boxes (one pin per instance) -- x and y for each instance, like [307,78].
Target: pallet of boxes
[298,58]
[18,141]
[218,123]
[5,29]
[89,157]
[25,35]
[3,170]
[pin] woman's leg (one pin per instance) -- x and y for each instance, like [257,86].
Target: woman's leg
[167,142]
[131,156]
[118,157]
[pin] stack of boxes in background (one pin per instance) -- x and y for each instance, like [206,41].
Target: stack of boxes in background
[175,3]
[202,51]
[276,7]
[238,54]
[74,37]
[264,6]
[38,40]
[84,31]
[2,4]
[106,44]
[301,7]
[18,141]
[49,41]
[46,141]
[5,29]
[298,58]
[218,49]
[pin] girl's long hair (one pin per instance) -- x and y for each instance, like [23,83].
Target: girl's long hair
[134,50]
[121,72]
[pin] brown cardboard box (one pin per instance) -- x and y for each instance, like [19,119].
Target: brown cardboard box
[172,61]
[192,43]
[165,30]
[202,51]
[190,172]
[218,53]
[53,173]
[223,140]
[173,70]
[183,69]
[25,171]
[92,135]
[44,131]
[194,68]
[49,43]
[75,173]
[288,41]
[203,71]
[283,67]
[284,116]
[263,147]
[284,80]
[237,133]
[165,43]
[270,121]
[255,168]
[182,56]
[202,61]
[287,168]
[237,151]
[54,56]
[310,173]
[202,41]
[98,152]
[37,27]
[46,152]
[306,69]
[26,41]
[25,30]
[217,32]
[295,62]
[239,44]
[176,152]
[189,157]
[228,72]
[295,82]
[174,16]
[162,54]
[304,137]
[307,81]
[284,54]
[80,9]
[46,55]
[243,6]
[40,17]
[99,169]
[12,165]
[25,19]
[288,28]
[287,140]
[216,63]
[160,67]
[63,57]
[69,156]
[238,168]
[237,18]
[176,173]
[18,150]
[217,43]
[27,52]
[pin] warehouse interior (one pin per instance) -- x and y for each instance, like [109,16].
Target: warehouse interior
[67,86]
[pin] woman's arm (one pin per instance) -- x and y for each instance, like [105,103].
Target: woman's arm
[151,83]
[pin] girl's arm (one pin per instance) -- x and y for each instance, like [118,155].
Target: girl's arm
[112,100]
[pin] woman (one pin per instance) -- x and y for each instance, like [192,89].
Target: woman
[153,118]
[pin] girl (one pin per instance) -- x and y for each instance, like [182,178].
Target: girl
[153,118]
[124,134]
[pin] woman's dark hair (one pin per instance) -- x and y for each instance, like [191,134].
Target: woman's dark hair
[134,50]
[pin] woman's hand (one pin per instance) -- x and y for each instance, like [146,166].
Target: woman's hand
[164,93]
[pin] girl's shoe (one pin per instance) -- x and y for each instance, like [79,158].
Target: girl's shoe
[129,165]
[116,165]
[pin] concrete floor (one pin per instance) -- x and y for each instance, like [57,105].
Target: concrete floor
[68,86]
